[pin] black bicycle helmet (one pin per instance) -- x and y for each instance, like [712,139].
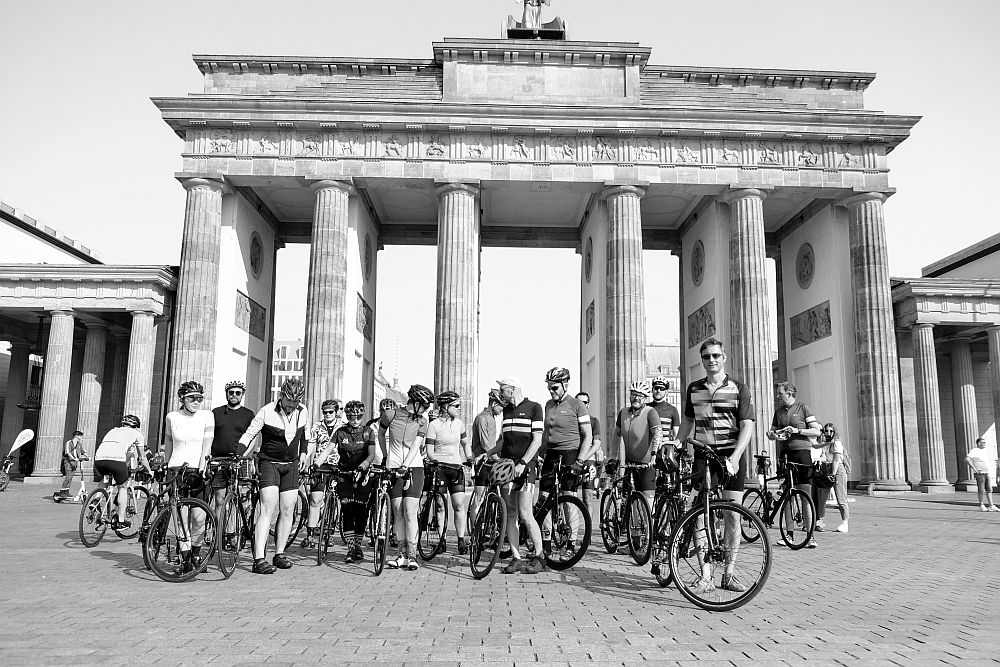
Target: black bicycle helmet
[661,381]
[386,404]
[446,398]
[156,462]
[190,388]
[420,395]
[354,409]
[330,403]
[611,467]
[236,384]
[502,472]
[131,421]
[497,397]
[557,374]
[293,389]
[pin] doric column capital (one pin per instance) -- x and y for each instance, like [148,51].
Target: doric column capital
[96,325]
[730,196]
[619,190]
[209,183]
[139,312]
[919,326]
[994,329]
[448,188]
[862,198]
[962,338]
[344,186]
[61,312]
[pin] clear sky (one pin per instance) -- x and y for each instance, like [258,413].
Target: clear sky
[83,148]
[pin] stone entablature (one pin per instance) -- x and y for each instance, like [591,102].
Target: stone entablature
[949,302]
[99,288]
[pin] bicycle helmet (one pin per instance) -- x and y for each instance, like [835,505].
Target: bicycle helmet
[640,387]
[502,472]
[156,462]
[387,404]
[660,380]
[190,388]
[329,403]
[497,397]
[446,398]
[236,384]
[611,467]
[354,409]
[131,421]
[557,374]
[293,389]
[420,395]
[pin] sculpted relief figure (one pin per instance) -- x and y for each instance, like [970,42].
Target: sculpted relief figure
[476,150]
[808,158]
[350,145]
[849,159]
[310,145]
[533,13]
[685,154]
[435,148]
[604,149]
[267,145]
[520,148]
[730,155]
[647,153]
[393,148]
[768,154]
[222,142]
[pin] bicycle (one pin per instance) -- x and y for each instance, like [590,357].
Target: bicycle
[793,507]
[669,506]
[100,511]
[432,515]
[707,540]
[239,510]
[330,514]
[565,512]
[180,523]
[380,513]
[489,529]
[300,515]
[632,513]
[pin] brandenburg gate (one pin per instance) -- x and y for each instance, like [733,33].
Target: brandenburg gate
[548,144]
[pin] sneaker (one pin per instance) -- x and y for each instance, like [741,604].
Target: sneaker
[842,528]
[569,550]
[731,583]
[306,543]
[703,585]
[812,543]
[506,551]
[514,566]
[349,557]
[359,555]
[281,561]
[780,542]
[399,562]
[412,564]
[463,548]
[820,526]
[994,508]
[535,565]
[983,508]
[261,566]
[443,546]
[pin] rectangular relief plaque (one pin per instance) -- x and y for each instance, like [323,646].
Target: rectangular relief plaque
[590,320]
[366,319]
[701,324]
[811,325]
[251,316]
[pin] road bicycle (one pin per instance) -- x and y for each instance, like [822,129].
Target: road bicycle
[239,510]
[331,513]
[625,515]
[181,525]
[488,531]
[670,504]
[566,519]
[380,512]
[100,511]
[709,564]
[432,515]
[793,508]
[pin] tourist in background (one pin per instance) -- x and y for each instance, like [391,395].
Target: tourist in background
[73,456]
[831,450]
[793,426]
[983,460]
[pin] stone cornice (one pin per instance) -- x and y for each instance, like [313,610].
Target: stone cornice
[163,276]
[944,287]
[83,288]
[963,303]
[541,52]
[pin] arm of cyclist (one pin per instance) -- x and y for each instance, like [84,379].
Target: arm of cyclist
[140,449]
[529,454]
[208,436]
[307,449]
[586,445]
[168,441]
[255,427]
[466,444]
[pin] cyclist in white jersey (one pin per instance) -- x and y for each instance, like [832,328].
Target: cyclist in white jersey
[110,457]
[448,444]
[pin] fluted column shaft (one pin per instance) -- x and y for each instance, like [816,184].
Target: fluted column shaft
[963,391]
[456,328]
[55,392]
[993,342]
[749,344]
[929,434]
[875,360]
[625,300]
[118,380]
[197,290]
[326,301]
[17,382]
[91,386]
[139,382]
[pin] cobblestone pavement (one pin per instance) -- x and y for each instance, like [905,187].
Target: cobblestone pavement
[915,581]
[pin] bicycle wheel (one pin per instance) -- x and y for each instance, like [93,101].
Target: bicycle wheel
[4,480]
[94,517]
[135,508]
[753,500]
[327,524]
[700,556]
[796,519]
[571,526]
[433,525]
[148,514]
[668,512]
[487,535]
[173,533]
[231,527]
[640,531]
[380,532]
[609,521]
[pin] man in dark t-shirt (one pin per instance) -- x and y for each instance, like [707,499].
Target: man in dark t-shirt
[231,422]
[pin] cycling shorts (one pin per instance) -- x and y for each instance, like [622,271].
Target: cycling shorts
[416,485]
[801,474]
[350,491]
[221,478]
[736,482]
[117,470]
[482,475]
[450,475]
[568,458]
[643,479]
[285,476]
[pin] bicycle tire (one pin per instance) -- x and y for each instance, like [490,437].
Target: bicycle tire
[166,557]
[638,526]
[487,536]
[753,500]
[4,480]
[669,511]
[610,531]
[562,532]
[327,523]
[134,508]
[148,514]
[687,557]
[380,533]
[432,525]
[229,554]
[803,518]
[94,520]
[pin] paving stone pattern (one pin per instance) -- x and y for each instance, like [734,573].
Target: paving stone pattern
[915,582]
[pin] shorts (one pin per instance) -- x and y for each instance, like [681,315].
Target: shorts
[350,491]
[736,482]
[483,475]
[415,488]
[285,476]
[117,470]
[643,479]
[568,458]
[221,478]
[450,475]
[802,474]
[985,481]
[192,485]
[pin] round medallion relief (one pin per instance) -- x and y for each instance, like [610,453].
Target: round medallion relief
[256,255]
[368,256]
[698,263]
[805,266]
[588,258]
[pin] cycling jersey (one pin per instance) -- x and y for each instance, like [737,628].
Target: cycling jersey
[116,444]
[717,415]
[402,430]
[230,424]
[188,432]
[669,417]
[352,445]
[636,428]
[322,432]
[444,440]
[282,437]
[520,423]
[563,421]
[484,433]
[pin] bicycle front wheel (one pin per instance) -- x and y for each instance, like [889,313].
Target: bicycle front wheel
[571,526]
[796,519]
[487,535]
[668,513]
[753,500]
[433,520]
[94,517]
[175,530]
[639,528]
[4,480]
[710,564]
[380,532]
[327,524]
[609,521]
[138,498]
[231,527]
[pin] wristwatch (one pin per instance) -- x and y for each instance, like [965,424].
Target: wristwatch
[520,462]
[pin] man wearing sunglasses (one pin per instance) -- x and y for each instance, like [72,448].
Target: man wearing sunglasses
[670,419]
[231,422]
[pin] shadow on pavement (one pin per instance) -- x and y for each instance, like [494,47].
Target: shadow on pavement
[130,564]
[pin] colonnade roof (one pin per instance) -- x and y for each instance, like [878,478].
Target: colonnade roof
[966,305]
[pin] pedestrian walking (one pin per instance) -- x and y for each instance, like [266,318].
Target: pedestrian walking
[983,460]
[74,454]
[793,426]
[831,451]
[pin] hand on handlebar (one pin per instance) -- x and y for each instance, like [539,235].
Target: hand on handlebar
[732,468]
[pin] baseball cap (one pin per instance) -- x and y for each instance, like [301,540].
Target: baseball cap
[510,382]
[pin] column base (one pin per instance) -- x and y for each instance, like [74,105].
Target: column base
[43,478]
[935,487]
[966,485]
[884,487]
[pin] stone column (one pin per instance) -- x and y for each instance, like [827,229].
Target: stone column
[993,342]
[749,345]
[17,382]
[931,442]
[625,302]
[876,365]
[779,307]
[963,391]
[197,290]
[682,330]
[326,300]
[139,376]
[91,386]
[118,379]
[55,391]
[456,328]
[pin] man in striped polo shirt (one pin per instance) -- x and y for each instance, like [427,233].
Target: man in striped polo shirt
[719,410]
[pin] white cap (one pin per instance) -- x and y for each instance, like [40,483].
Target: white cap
[510,382]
